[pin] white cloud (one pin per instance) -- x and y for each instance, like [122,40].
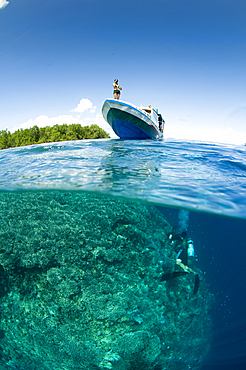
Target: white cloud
[100,121]
[42,121]
[185,129]
[175,131]
[3,3]
[84,104]
[227,135]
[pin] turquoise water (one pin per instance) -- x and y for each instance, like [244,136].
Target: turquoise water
[198,176]
[84,246]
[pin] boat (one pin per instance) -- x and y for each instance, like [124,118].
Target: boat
[131,122]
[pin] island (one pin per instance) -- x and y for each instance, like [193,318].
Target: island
[36,135]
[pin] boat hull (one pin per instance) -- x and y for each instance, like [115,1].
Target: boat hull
[129,122]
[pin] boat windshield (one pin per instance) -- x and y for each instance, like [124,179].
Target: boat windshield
[147,110]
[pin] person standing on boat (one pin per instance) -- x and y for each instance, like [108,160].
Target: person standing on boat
[117,89]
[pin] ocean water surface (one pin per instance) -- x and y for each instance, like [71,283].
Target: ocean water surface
[88,264]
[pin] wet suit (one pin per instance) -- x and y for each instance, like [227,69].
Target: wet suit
[181,261]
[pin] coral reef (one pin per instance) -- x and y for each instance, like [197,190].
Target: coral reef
[80,287]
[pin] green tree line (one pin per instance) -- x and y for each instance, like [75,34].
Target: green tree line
[36,135]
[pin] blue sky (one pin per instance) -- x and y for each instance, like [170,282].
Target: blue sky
[186,57]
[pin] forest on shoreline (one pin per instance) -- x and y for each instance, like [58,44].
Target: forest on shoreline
[36,135]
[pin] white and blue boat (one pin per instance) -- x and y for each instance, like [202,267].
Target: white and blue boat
[131,122]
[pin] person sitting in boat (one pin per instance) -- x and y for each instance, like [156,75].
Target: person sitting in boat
[185,253]
[117,89]
[161,122]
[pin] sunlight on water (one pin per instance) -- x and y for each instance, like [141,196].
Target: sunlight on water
[105,277]
[202,177]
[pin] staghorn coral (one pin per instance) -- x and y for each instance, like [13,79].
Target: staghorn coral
[82,287]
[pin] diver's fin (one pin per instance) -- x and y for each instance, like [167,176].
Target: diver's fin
[197,283]
[166,277]
[172,275]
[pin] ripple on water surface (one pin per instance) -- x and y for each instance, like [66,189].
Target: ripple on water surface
[83,252]
[199,176]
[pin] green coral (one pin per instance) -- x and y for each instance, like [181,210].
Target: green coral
[81,287]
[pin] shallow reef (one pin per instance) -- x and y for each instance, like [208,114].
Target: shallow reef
[81,287]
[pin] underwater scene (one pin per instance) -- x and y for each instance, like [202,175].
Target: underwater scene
[123,256]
